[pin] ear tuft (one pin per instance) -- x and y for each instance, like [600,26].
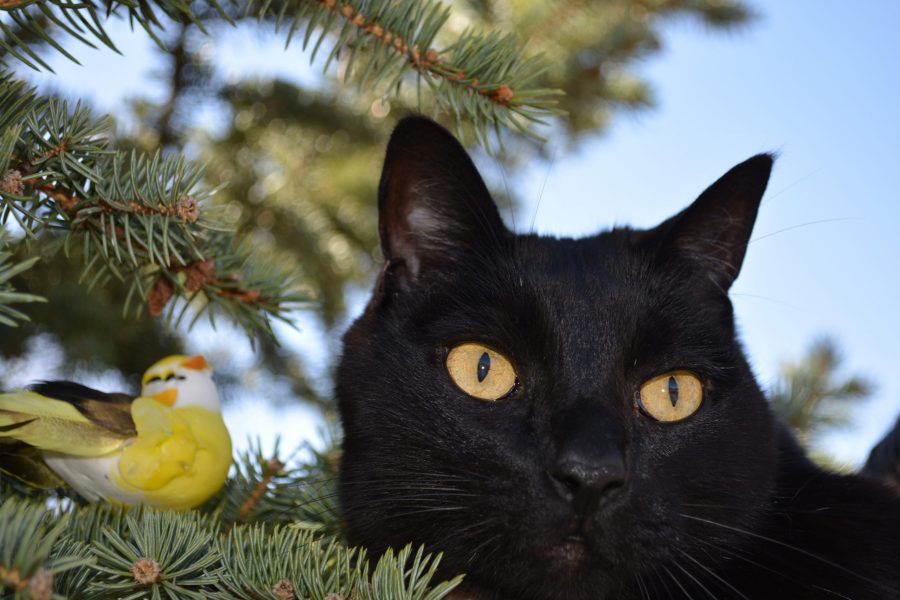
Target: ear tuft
[433,205]
[713,232]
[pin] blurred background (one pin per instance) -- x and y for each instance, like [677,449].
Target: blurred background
[662,97]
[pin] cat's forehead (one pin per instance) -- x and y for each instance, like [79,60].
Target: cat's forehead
[606,258]
[551,284]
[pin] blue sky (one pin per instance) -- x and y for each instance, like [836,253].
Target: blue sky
[815,81]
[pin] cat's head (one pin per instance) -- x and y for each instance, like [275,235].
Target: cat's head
[543,411]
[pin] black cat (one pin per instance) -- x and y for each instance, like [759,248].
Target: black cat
[575,418]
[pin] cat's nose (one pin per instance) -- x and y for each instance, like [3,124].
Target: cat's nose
[585,483]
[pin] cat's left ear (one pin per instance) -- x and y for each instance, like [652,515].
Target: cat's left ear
[713,232]
[433,207]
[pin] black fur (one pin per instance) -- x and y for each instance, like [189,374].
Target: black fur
[721,505]
[884,460]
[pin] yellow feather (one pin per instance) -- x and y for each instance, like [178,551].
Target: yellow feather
[36,405]
[179,458]
[55,425]
[163,449]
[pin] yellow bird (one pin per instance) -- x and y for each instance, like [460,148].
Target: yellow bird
[167,447]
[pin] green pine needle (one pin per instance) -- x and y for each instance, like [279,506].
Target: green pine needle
[105,552]
[141,221]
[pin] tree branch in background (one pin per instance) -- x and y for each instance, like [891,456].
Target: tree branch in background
[180,58]
[482,79]
[137,219]
[810,396]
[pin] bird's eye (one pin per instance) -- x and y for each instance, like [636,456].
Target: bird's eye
[481,372]
[180,377]
[153,379]
[170,376]
[671,396]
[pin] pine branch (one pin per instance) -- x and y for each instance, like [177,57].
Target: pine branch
[28,533]
[481,78]
[811,396]
[279,490]
[103,552]
[10,316]
[172,551]
[143,221]
[30,21]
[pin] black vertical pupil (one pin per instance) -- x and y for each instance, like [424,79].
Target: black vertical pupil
[673,391]
[484,365]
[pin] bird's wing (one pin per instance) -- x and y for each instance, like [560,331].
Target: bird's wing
[58,424]
[165,446]
[112,411]
[24,462]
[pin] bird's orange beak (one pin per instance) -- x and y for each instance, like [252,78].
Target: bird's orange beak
[197,363]
[167,397]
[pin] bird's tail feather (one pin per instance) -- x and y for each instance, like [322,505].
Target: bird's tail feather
[25,463]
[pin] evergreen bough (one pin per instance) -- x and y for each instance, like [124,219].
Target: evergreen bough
[144,220]
[272,533]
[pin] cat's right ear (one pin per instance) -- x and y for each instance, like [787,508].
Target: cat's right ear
[433,207]
[713,232]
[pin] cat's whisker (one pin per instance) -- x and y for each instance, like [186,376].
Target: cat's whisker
[392,499]
[540,198]
[831,592]
[474,555]
[725,506]
[677,583]
[461,532]
[772,196]
[657,582]
[800,225]
[436,490]
[665,584]
[510,206]
[767,298]
[422,510]
[712,573]
[696,581]
[734,553]
[739,556]
[642,588]
[783,545]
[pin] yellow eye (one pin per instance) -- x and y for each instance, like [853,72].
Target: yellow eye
[480,371]
[672,396]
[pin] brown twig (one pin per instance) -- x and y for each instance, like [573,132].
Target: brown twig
[185,209]
[39,585]
[198,274]
[56,150]
[11,4]
[273,467]
[180,60]
[25,167]
[65,201]
[428,61]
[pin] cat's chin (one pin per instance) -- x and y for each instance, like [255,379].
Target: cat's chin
[572,553]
